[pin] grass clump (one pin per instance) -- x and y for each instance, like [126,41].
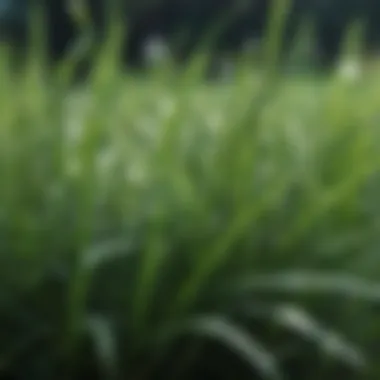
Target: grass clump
[176,229]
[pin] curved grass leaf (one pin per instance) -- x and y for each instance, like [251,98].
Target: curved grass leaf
[308,282]
[105,252]
[233,337]
[297,320]
[104,340]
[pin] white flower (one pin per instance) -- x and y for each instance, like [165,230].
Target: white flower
[350,69]
[156,50]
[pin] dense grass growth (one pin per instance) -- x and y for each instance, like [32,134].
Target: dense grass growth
[170,228]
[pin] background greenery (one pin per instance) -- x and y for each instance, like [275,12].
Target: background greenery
[169,227]
[184,24]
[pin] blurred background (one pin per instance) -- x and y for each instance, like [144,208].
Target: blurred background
[316,27]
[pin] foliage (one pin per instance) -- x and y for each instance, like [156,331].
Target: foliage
[164,227]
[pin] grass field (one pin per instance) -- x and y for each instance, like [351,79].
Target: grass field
[169,227]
